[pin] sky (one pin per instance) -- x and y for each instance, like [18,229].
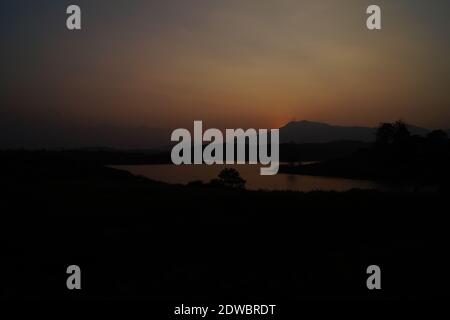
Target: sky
[230,63]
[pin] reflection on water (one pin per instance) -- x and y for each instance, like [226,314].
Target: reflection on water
[187,173]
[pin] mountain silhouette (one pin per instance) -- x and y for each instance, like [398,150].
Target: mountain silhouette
[51,135]
[36,135]
[318,132]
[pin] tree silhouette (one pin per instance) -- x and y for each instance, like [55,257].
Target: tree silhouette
[392,133]
[401,132]
[230,177]
[437,136]
[385,134]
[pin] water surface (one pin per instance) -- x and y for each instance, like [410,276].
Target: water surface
[186,173]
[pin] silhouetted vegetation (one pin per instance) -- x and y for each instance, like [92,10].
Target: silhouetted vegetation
[229,178]
[396,156]
[392,134]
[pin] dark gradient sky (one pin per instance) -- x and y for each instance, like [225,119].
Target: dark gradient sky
[246,63]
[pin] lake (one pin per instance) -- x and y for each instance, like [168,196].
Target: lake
[186,173]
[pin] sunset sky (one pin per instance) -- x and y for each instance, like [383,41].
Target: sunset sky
[230,63]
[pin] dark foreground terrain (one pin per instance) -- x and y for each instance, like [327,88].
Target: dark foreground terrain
[135,238]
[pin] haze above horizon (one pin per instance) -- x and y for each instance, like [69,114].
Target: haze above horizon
[231,64]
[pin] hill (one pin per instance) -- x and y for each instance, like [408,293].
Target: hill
[317,132]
